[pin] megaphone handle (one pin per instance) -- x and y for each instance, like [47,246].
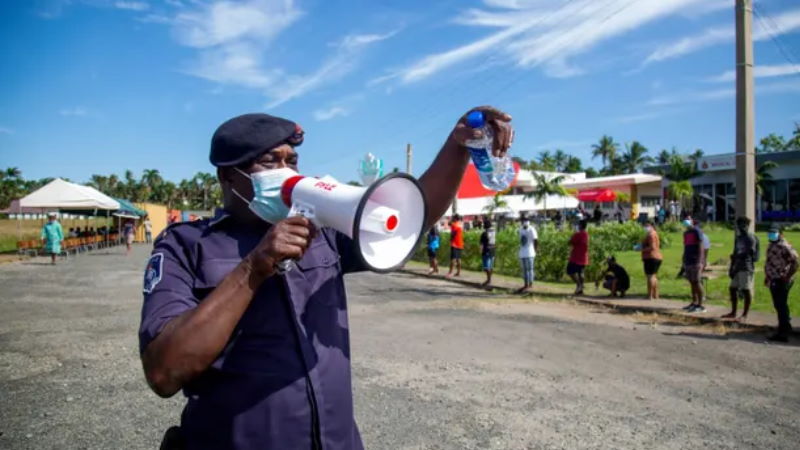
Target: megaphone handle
[297,210]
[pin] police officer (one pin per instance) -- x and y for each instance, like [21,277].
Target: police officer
[263,358]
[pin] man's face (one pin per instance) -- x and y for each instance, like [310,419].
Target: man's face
[279,157]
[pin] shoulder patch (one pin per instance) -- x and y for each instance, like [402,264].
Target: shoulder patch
[153,272]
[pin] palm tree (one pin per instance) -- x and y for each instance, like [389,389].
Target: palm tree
[634,157]
[546,161]
[560,159]
[763,177]
[606,149]
[680,190]
[665,155]
[545,187]
[680,169]
[696,155]
[573,165]
[498,203]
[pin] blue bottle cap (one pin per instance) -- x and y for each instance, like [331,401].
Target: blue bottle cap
[475,119]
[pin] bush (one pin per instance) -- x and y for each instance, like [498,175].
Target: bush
[551,260]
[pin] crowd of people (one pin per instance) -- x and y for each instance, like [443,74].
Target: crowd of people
[780,266]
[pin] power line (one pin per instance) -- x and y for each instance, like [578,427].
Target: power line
[775,37]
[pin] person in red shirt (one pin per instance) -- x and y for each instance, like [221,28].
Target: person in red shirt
[579,256]
[456,245]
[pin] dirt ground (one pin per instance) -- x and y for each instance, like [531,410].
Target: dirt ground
[436,366]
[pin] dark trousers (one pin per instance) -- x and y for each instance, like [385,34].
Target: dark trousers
[780,299]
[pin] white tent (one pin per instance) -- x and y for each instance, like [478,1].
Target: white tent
[62,194]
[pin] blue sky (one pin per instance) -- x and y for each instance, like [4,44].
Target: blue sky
[100,86]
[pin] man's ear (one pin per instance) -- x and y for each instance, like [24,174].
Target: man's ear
[224,175]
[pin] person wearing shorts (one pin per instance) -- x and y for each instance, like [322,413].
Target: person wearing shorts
[742,270]
[528,247]
[488,240]
[433,248]
[693,265]
[651,259]
[579,256]
[456,245]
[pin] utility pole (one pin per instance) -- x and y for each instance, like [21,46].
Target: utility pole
[745,114]
[408,158]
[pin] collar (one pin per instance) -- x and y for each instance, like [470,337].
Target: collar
[219,216]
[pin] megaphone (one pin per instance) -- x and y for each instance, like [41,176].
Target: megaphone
[385,220]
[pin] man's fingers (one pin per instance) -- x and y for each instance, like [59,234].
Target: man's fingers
[492,113]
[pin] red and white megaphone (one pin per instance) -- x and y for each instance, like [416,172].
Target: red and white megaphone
[385,220]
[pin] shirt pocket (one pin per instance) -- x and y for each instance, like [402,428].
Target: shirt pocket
[211,273]
[320,269]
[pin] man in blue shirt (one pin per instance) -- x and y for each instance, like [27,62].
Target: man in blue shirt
[263,358]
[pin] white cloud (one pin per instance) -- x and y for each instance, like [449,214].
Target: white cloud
[330,113]
[642,117]
[354,41]
[232,40]
[225,22]
[786,22]
[782,87]
[760,72]
[545,33]
[78,111]
[6,130]
[132,6]
[564,144]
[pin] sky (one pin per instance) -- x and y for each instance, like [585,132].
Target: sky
[101,86]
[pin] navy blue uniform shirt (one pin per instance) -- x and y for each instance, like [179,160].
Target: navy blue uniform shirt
[283,380]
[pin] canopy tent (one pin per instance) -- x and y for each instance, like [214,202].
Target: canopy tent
[597,195]
[60,194]
[128,210]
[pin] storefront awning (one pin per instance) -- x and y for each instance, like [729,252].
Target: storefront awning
[597,195]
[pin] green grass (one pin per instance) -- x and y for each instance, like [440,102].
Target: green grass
[11,230]
[717,292]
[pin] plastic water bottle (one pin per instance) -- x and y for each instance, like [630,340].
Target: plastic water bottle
[496,174]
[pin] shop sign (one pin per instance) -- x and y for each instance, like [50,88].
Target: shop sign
[717,162]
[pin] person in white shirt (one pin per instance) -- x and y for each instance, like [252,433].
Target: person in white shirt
[528,246]
[148,230]
[705,242]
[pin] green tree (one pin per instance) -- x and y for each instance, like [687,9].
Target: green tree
[560,160]
[546,161]
[498,203]
[12,186]
[546,186]
[634,158]
[680,190]
[573,165]
[763,177]
[772,143]
[606,149]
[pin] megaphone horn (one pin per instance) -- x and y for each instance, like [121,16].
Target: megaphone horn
[385,220]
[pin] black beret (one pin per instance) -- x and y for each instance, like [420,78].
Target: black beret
[248,136]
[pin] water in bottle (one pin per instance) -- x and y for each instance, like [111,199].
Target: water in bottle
[496,174]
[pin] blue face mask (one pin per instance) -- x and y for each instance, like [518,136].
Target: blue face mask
[687,223]
[773,236]
[267,202]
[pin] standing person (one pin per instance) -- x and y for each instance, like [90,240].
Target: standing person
[779,270]
[616,278]
[127,232]
[433,248]
[693,264]
[528,247]
[598,214]
[651,259]
[662,215]
[456,245]
[742,270]
[52,237]
[263,357]
[488,242]
[579,256]
[148,230]
[705,242]
[559,220]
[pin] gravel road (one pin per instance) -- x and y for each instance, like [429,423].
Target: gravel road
[436,366]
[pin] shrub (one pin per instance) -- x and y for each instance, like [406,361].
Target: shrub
[551,260]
